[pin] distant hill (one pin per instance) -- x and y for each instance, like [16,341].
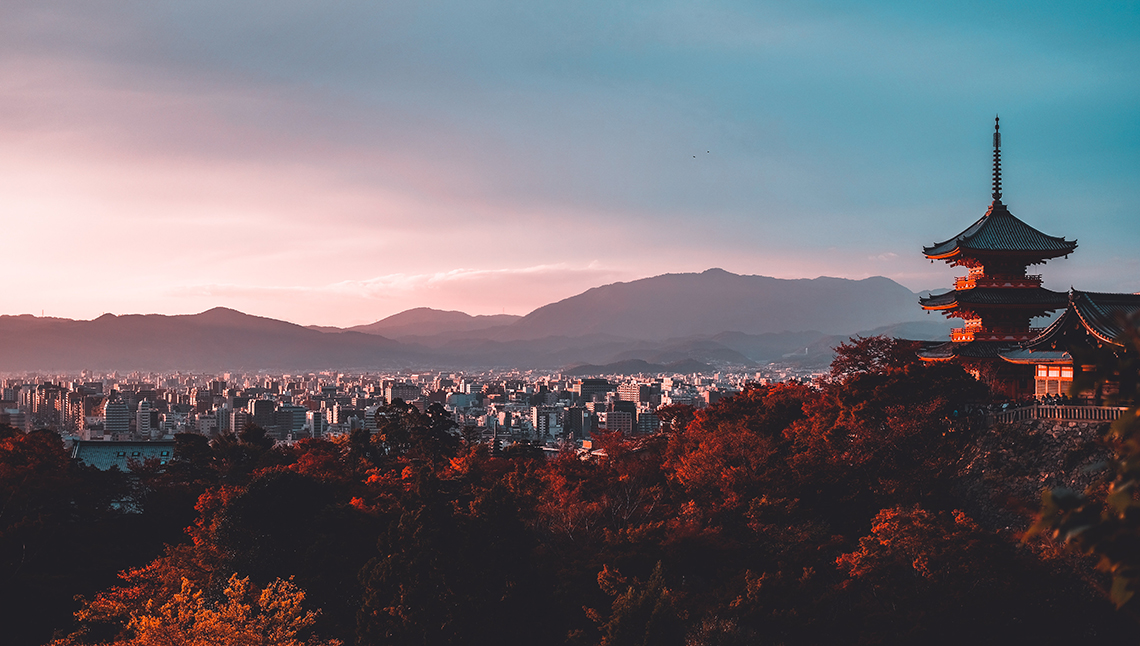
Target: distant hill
[424,321]
[715,301]
[218,339]
[637,366]
[710,318]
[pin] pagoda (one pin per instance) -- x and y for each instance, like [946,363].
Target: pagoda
[997,299]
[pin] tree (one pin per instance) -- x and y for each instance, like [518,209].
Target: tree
[642,613]
[1105,521]
[872,354]
[242,616]
[722,455]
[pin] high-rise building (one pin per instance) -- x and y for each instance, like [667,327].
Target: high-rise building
[588,389]
[116,418]
[316,422]
[579,423]
[406,392]
[648,423]
[239,419]
[616,421]
[146,418]
[638,393]
[291,418]
[546,422]
[261,412]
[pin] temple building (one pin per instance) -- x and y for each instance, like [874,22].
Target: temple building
[998,300]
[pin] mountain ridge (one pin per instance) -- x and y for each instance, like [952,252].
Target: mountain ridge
[713,316]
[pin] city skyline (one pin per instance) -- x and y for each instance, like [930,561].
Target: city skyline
[336,165]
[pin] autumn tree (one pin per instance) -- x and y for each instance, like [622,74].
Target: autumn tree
[240,616]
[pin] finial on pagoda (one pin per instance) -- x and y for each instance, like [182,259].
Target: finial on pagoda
[997,161]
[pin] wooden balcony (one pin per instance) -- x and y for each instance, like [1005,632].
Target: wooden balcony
[980,280]
[982,333]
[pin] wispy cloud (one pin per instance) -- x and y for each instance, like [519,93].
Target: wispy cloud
[337,162]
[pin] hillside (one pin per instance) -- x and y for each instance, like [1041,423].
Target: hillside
[217,339]
[712,317]
[715,301]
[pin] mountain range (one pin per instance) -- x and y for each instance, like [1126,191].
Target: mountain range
[713,317]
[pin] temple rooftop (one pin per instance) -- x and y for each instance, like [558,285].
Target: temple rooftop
[1104,316]
[999,231]
[996,296]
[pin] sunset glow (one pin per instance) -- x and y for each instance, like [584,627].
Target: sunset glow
[335,165]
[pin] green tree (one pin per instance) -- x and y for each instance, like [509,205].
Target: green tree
[1105,520]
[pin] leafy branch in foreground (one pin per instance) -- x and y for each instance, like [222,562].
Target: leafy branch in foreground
[1105,521]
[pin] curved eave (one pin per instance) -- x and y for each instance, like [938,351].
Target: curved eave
[1037,255]
[1048,333]
[1028,357]
[1095,313]
[972,350]
[1001,232]
[988,298]
[923,357]
[941,256]
[939,308]
[1093,327]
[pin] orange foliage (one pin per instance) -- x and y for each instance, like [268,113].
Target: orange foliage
[190,617]
[720,455]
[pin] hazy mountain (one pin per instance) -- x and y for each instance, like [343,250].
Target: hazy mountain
[715,301]
[636,367]
[424,321]
[671,351]
[712,317]
[213,340]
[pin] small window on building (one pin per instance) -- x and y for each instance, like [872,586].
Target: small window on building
[1054,371]
[1042,371]
[122,454]
[1066,372]
[166,453]
[133,453]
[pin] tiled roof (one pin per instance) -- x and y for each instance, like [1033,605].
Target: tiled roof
[971,350]
[996,296]
[104,455]
[1000,231]
[1100,314]
[1023,356]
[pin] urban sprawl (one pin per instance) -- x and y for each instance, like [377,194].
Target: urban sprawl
[140,413]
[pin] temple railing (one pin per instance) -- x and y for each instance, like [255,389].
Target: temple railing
[970,282]
[983,333]
[1065,413]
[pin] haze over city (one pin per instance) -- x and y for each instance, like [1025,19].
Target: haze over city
[335,164]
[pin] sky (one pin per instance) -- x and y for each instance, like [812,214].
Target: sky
[333,163]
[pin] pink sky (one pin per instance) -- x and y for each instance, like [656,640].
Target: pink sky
[158,163]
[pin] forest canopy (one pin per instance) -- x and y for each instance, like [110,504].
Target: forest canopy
[848,511]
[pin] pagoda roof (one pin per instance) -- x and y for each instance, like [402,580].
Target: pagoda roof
[969,350]
[999,231]
[998,296]
[1102,315]
[1037,357]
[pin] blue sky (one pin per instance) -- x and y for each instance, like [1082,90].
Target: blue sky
[333,163]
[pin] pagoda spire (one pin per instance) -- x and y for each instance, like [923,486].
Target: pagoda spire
[997,161]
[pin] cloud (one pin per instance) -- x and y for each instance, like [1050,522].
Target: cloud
[169,153]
